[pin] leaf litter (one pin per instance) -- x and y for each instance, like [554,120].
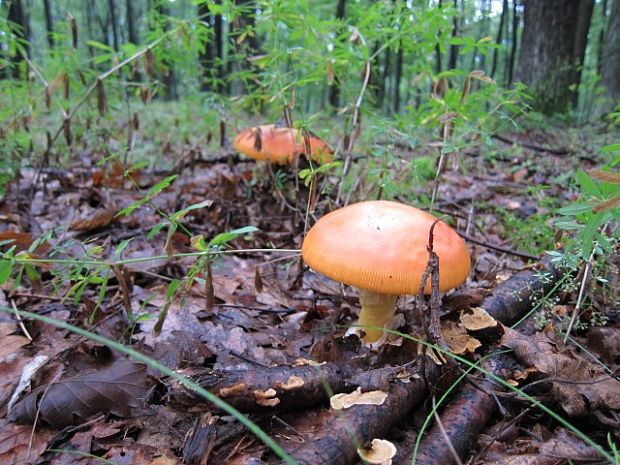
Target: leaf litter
[115,408]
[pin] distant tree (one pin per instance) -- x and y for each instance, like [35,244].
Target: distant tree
[113,24]
[610,65]
[454,49]
[601,36]
[212,57]
[49,22]
[334,90]
[548,52]
[18,17]
[513,44]
[130,12]
[499,38]
[581,41]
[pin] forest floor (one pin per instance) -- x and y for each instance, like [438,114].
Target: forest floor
[274,338]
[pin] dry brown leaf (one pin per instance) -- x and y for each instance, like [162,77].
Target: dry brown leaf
[16,445]
[99,219]
[21,240]
[10,347]
[581,387]
[477,318]
[357,397]
[120,389]
[457,338]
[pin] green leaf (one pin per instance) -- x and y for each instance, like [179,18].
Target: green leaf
[575,209]
[588,186]
[100,46]
[172,288]
[181,213]
[6,266]
[223,238]
[610,148]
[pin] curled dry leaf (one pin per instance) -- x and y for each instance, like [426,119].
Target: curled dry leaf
[477,318]
[99,219]
[457,338]
[579,386]
[357,397]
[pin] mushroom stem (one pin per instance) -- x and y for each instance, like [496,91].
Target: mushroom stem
[377,310]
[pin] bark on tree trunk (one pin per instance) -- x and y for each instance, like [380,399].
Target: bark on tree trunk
[547,52]
[610,69]
[17,16]
[438,49]
[500,36]
[397,76]
[169,78]
[219,47]
[114,24]
[334,90]
[513,45]
[49,22]
[581,40]
[131,23]
[601,37]
[454,49]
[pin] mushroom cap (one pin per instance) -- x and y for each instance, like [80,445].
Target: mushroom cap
[381,246]
[279,144]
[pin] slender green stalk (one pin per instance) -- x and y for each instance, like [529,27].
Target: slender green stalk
[219,403]
[129,261]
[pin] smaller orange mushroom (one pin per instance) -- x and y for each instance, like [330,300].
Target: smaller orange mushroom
[279,145]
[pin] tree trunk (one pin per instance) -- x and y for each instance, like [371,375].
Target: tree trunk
[547,52]
[581,40]
[207,55]
[333,94]
[131,23]
[601,37]
[219,46]
[454,49]
[169,77]
[610,69]
[397,76]
[438,48]
[513,45]
[18,17]
[114,25]
[500,35]
[49,23]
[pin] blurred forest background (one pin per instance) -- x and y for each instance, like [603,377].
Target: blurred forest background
[258,52]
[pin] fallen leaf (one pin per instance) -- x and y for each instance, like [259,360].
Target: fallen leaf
[457,338]
[98,219]
[119,389]
[16,445]
[579,386]
[477,318]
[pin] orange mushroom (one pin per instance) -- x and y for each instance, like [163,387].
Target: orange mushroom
[380,248]
[279,145]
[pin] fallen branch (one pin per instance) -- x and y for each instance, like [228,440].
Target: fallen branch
[284,387]
[333,444]
[527,145]
[463,419]
[498,248]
